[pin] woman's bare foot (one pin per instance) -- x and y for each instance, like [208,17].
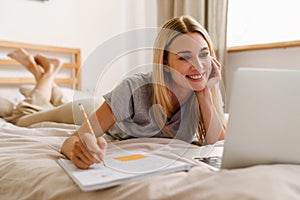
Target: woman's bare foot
[27,60]
[50,65]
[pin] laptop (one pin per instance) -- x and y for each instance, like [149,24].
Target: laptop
[264,119]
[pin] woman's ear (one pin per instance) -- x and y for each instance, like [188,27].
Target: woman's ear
[166,67]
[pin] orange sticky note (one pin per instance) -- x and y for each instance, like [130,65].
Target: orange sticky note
[130,157]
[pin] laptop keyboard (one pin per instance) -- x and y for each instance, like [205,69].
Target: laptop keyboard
[214,161]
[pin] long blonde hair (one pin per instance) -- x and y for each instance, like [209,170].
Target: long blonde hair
[162,95]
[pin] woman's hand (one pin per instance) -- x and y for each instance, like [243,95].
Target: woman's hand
[84,151]
[213,79]
[215,75]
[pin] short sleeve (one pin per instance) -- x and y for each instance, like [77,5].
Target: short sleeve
[121,99]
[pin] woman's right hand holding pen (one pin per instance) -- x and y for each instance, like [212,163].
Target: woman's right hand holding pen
[84,148]
[88,151]
[84,151]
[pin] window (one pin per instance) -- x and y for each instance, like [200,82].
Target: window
[262,21]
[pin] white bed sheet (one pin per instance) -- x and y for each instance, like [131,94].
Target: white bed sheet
[29,170]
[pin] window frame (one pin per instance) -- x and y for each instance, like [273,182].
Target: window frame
[259,44]
[273,45]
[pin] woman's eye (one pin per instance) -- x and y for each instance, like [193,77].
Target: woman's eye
[204,55]
[184,57]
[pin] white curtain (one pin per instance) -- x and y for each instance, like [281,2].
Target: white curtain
[212,14]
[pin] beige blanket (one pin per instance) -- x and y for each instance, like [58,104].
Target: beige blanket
[29,170]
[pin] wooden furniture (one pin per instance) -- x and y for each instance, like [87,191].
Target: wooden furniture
[73,65]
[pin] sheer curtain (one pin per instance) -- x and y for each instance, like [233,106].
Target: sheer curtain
[212,14]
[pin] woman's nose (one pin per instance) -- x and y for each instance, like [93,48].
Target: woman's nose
[198,64]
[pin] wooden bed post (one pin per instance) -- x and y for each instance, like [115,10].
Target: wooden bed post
[74,64]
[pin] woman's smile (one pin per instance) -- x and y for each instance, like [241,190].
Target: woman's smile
[196,77]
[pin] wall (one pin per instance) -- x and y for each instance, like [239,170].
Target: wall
[88,24]
[287,58]
[84,24]
[122,52]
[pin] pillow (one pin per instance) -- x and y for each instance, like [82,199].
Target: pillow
[6,107]
[69,93]
[11,97]
[12,94]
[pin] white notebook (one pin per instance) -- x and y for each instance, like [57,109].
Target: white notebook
[120,168]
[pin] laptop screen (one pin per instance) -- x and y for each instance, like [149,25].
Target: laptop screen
[264,118]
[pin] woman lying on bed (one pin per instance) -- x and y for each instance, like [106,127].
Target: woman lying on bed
[45,102]
[178,99]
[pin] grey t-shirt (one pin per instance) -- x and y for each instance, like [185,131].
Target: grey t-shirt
[131,103]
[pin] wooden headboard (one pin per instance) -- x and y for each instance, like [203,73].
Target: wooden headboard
[73,64]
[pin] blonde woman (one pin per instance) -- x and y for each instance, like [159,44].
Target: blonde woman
[179,99]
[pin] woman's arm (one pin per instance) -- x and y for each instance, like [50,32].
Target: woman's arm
[83,155]
[213,122]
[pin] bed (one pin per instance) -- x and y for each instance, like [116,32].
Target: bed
[29,168]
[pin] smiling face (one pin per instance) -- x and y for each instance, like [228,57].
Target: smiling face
[189,63]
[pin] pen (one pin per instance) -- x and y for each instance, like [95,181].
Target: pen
[87,121]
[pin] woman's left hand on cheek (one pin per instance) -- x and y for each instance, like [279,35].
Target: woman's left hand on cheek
[215,77]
